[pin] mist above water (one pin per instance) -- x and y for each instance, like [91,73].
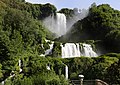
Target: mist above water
[56,24]
[78,15]
[59,25]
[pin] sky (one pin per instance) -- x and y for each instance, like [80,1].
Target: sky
[81,4]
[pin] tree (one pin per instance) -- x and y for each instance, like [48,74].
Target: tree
[113,39]
[68,12]
[1,74]
[113,73]
[47,10]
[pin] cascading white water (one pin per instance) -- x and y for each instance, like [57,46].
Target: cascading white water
[20,66]
[66,72]
[73,50]
[70,50]
[3,82]
[88,51]
[49,51]
[12,74]
[61,24]
[56,24]
[48,67]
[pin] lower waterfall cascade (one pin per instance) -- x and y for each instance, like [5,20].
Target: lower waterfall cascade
[69,50]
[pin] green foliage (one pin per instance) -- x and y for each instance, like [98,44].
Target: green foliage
[91,68]
[113,73]
[68,12]
[35,64]
[21,37]
[117,55]
[38,11]
[43,78]
[99,67]
[113,39]
[102,23]
[47,10]
[47,79]
[78,66]
[21,0]
[104,19]
[1,74]
[56,52]
[74,76]
[37,73]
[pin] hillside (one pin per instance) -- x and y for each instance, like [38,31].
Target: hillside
[102,24]
[23,42]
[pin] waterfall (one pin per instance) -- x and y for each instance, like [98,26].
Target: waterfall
[66,72]
[3,83]
[88,51]
[70,50]
[7,79]
[76,50]
[61,24]
[49,51]
[48,67]
[20,65]
[12,74]
[56,24]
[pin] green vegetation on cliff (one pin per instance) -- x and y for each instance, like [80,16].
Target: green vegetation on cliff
[22,37]
[102,23]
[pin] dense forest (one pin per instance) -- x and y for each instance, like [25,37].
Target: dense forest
[23,35]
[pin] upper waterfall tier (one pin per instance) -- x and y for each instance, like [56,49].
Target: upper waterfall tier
[56,24]
[61,24]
